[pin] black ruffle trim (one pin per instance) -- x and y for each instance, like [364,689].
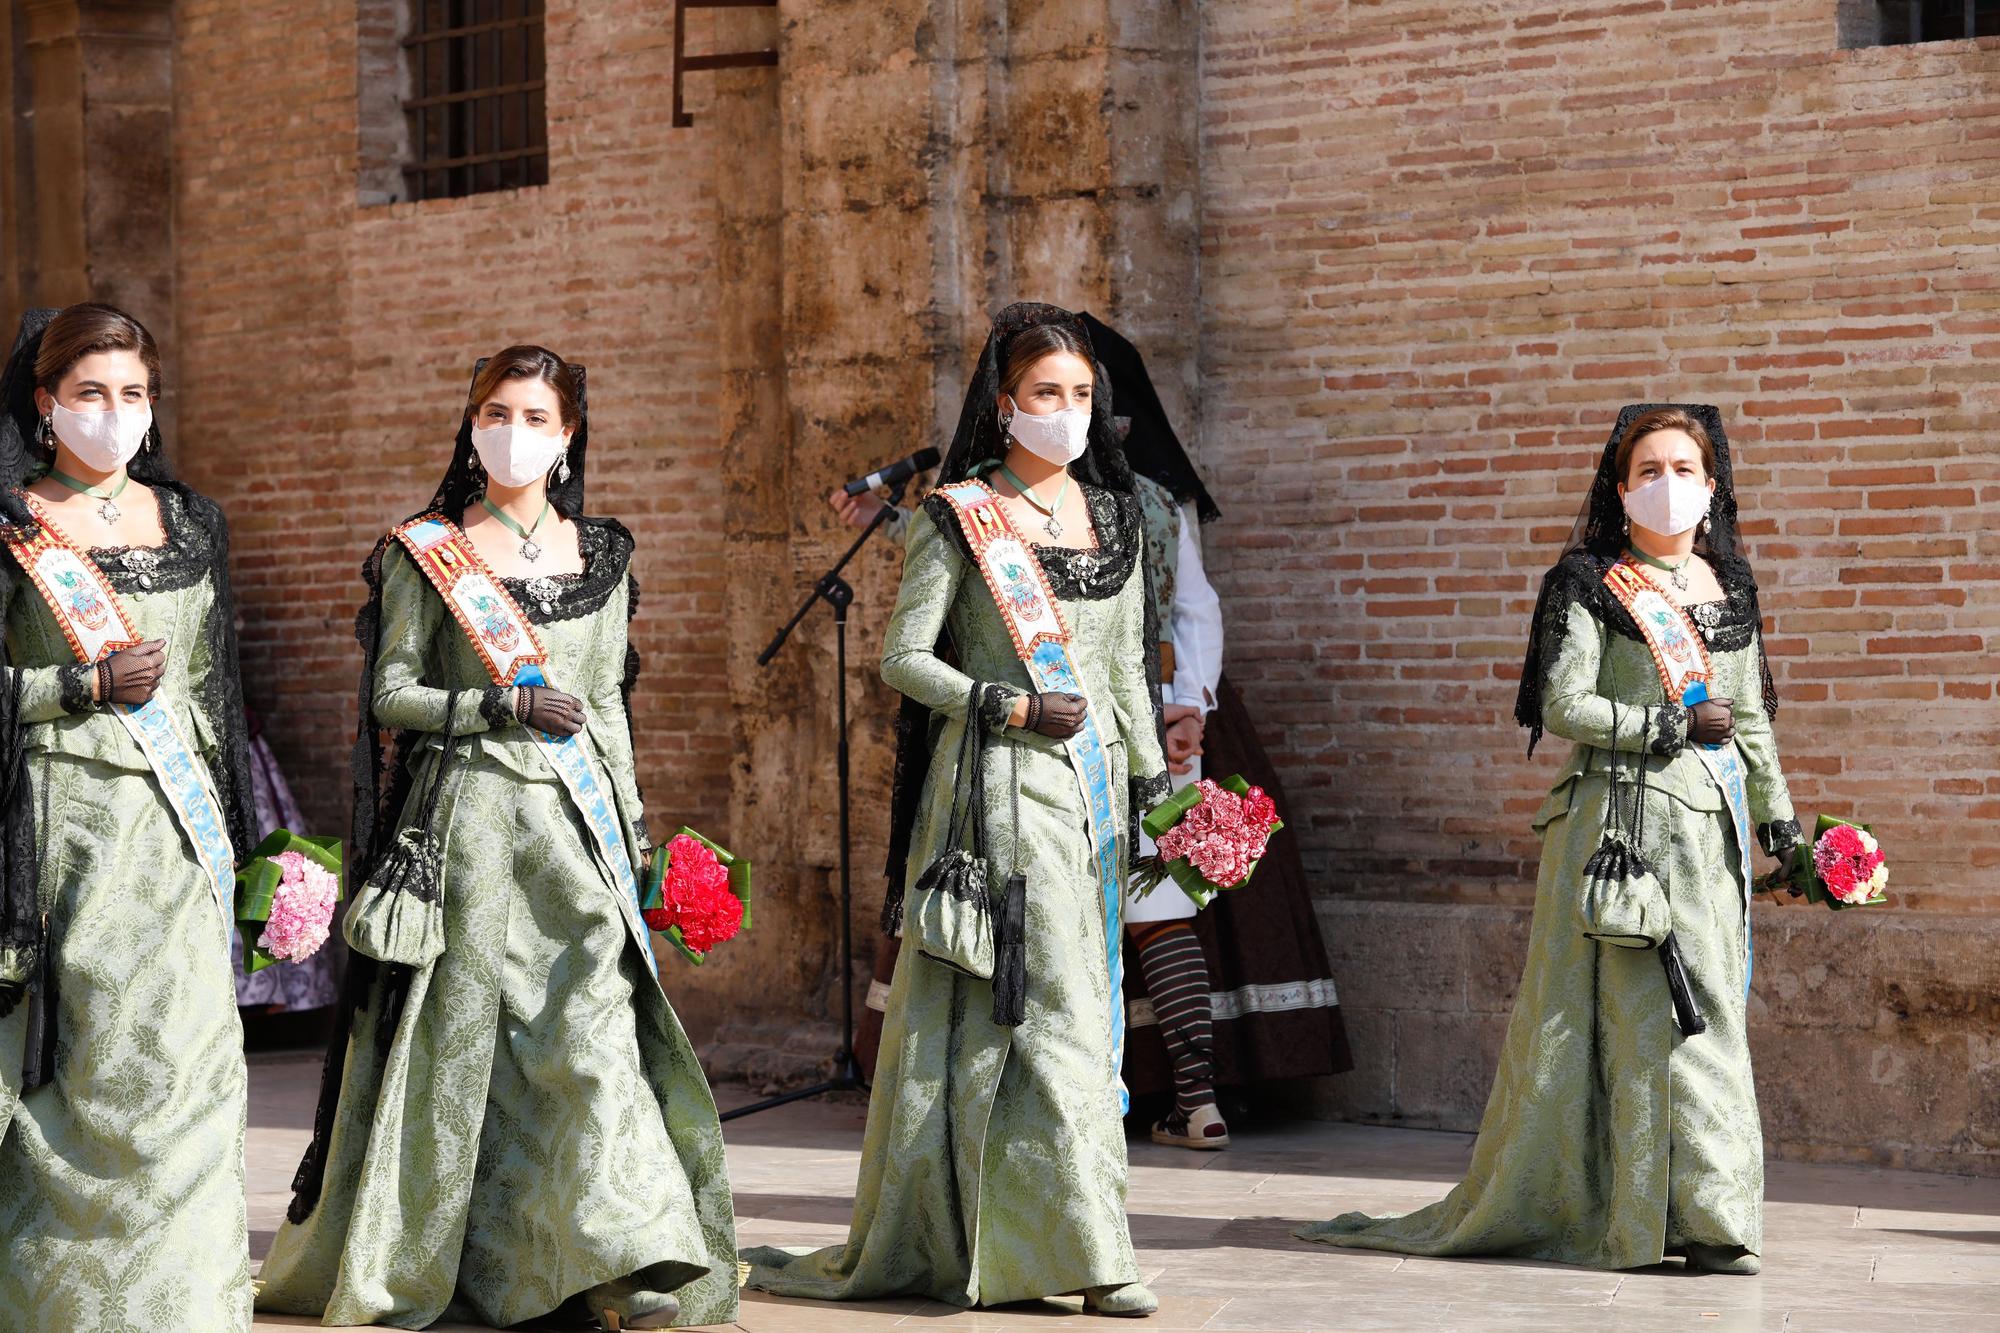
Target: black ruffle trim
[606,548]
[496,706]
[73,681]
[1671,722]
[1074,575]
[1780,836]
[180,563]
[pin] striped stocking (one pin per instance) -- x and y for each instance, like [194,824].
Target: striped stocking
[1176,976]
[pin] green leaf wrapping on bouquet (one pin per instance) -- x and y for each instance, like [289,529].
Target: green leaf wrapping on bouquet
[652,899]
[1170,812]
[257,884]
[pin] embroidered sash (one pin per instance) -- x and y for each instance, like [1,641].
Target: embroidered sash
[507,643]
[1034,620]
[1685,671]
[94,622]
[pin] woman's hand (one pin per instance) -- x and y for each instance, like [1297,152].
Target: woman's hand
[1184,732]
[857,510]
[1713,722]
[549,710]
[136,671]
[1057,714]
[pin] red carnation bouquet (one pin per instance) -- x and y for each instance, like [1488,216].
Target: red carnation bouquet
[696,894]
[1208,837]
[1845,868]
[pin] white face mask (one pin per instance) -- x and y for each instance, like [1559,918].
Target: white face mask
[103,441]
[515,455]
[1668,505]
[1055,437]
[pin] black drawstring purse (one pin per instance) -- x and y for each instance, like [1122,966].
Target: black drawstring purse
[398,917]
[952,917]
[1623,902]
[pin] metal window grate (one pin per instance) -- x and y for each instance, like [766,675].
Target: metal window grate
[1905,22]
[476,111]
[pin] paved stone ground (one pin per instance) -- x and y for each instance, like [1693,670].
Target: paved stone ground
[1848,1249]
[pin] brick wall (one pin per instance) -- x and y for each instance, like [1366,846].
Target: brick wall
[1442,243]
[326,347]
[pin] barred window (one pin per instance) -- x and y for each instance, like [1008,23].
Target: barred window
[1903,22]
[473,103]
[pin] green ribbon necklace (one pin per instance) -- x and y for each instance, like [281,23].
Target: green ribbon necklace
[107,508]
[1049,524]
[531,551]
[1676,574]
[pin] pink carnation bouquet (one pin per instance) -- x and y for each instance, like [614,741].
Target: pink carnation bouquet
[1208,837]
[1846,867]
[285,896]
[696,894]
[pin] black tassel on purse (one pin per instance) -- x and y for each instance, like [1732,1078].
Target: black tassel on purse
[1010,921]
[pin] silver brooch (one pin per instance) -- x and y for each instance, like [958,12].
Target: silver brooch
[545,591]
[141,562]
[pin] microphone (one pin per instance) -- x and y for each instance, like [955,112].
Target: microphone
[899,471]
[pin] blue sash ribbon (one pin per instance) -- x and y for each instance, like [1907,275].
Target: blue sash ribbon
[506,642]
[1034,620]
[94,622]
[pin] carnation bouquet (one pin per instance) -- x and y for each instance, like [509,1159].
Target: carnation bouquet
[696,894]
[1845,867]
[285,896]
[1208,836]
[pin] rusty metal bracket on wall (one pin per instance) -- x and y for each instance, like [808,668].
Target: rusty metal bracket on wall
[687,64]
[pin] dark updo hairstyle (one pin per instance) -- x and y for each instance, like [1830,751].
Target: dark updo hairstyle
[528,362]
[1662,418]
[1035,342]
[86,329]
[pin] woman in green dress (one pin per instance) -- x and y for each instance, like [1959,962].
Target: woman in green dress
[993,1168]
[1611,1137]
[122,1090]
[517,1128]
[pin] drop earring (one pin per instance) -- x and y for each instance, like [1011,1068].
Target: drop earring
[562,469]
[43,431]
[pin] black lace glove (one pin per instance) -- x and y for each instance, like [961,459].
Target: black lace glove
[1055,714]
[132,674]
[1784,842]
[1713,722]
[549,710]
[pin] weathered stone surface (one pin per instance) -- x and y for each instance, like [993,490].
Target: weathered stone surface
[1913,1079]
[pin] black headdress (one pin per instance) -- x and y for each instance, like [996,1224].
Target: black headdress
[976,445]
[1151,446]
[382,778]
[1597,540]
[201,549]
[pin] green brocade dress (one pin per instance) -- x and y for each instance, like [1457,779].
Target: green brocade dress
[535,1135]
[1608,1137]
[993,1166]
[121,1178]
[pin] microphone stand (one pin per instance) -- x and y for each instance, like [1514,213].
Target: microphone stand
[836,592]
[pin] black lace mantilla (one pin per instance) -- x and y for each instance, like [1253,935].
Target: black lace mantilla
[1091,574]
